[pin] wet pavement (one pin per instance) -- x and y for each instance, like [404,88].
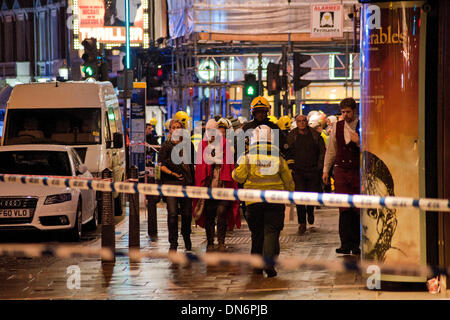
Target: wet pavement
[49,278]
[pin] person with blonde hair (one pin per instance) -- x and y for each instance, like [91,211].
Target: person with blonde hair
[177,174]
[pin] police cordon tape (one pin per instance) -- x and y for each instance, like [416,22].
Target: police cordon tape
[216,259]
[267,196]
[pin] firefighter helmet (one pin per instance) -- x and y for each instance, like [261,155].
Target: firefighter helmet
[273,119]
[183,117]
[259,103]
[284,123]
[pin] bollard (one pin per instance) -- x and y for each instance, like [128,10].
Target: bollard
[108,227]
[133,219]
[152,223]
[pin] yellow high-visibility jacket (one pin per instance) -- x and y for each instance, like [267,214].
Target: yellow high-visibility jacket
[196,138]
[324,137]
[259,169]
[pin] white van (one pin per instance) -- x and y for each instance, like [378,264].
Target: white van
[84,115]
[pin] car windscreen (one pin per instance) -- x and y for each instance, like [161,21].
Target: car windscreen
[68,126]
[35,162]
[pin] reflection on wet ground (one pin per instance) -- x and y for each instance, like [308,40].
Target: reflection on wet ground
[160,279]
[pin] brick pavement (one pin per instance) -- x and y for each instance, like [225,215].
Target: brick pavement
[159,279]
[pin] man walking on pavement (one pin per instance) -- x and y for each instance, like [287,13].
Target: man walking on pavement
[343,153]
[306,162]
[261,167]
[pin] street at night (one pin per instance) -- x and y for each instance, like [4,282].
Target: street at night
[160,279]
[225,159]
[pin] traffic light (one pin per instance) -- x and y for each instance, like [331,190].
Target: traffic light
[300,71]
[251,88]
[154,75]
[273,79]
[90,58]
[154,79]
[94,65]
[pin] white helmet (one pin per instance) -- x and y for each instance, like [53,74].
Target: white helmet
[314,120]
[332,119]
[224,123]
[242,120]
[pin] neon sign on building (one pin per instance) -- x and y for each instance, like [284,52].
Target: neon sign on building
[105,21]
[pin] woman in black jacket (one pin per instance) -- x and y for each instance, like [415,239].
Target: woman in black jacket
[177,174]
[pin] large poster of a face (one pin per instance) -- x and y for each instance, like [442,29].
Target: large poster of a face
[379,225]
[392,37]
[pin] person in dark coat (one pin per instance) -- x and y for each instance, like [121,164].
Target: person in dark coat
[306,162]
[177,174]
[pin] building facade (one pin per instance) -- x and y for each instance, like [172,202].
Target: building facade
[33,39]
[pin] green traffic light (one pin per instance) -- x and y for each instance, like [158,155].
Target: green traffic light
[89,71]
[250,91]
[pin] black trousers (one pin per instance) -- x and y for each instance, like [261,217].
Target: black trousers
[347,181]
[265,221]
[349,229]
[306,181]
[175,206]
[219,209]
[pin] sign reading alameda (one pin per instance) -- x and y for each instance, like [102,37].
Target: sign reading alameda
[327,20]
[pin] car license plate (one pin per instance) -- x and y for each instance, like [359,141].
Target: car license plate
[15,213]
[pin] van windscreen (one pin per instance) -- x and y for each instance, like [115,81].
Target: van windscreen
[74,126]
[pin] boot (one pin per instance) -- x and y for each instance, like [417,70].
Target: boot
[311,217]
[271,272]
[187,243]
[222,247]
[302,228]
[210,232]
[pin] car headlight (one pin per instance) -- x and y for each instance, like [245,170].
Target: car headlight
[58,198]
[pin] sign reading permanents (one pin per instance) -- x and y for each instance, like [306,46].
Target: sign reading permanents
[327,20]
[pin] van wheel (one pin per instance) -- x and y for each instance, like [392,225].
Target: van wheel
[118,205]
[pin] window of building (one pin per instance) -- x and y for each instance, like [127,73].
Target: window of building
[54,45]
[338,66]
[20,38]
[43,36]
[8,38]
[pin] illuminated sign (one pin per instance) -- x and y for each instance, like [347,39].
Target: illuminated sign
[105,21]
[206,70]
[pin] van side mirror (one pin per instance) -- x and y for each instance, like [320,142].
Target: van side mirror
[118,140]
